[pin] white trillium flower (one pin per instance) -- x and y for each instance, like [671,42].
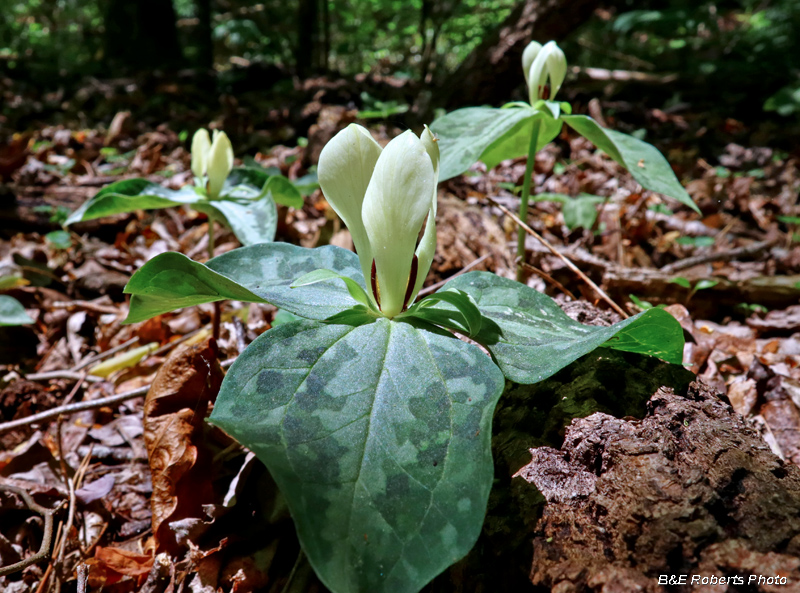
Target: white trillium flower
[212,158]
[545,67]
[384,196]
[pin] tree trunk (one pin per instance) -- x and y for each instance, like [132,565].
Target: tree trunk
[205,43]
[493,70]
[307,36]
[141,35]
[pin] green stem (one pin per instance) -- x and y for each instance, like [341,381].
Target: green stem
[526,193]
[215,321]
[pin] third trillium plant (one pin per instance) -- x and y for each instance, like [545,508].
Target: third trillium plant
[372,416]
[493,135]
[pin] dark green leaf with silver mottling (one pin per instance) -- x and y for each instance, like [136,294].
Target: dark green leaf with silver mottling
[379,437]
[531,338]
[251,183]
[129,195]
[12,312]
[252,221]
[259,273]
[647,165]
[269,269]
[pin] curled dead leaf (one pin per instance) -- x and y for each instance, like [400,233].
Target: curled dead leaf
[180,460]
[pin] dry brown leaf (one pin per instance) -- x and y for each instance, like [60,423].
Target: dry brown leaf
[110,565]
[174,410]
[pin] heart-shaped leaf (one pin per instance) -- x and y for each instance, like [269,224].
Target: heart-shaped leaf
[252,221]
[531,338]
[129,195]
[379,437]
[257,274]
[647,165]
[487,134]
[12,312]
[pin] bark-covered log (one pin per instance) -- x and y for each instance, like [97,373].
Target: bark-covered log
[691,489]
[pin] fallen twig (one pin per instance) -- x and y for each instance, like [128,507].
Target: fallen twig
[559,255]
[87,405]
[547,278]
[47,514]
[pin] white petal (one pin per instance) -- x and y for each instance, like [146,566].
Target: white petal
[427,245]
[531,50]
[557,66]
[220,163]
[345,169]
[201,144]
[397,201]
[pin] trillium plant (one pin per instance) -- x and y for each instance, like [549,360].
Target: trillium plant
[492,135]
[243,198]
[372,415]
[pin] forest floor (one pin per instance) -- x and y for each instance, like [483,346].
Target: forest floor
[731,277]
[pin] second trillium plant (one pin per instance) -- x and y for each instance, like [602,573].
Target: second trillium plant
[242,198]
[372,416]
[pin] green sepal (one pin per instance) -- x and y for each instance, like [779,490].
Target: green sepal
[531,338]
[353,287]
[470,319]
[12,312]
[379,436]
[644,162]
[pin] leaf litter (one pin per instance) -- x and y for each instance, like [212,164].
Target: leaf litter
[159,499]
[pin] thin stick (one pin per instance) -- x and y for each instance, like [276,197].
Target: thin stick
[526,194]
[567,263]
[71,375]
[44,550]
[548,278]
[83,577]
[87,405]
[467,268]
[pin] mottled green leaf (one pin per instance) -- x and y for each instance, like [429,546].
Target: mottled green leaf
[259,273]
[252,182]
[172,281]
[466,133]
[379,437]
[531,338]
[353,287]
[129,195]
[12,312]
[647,165]
[252,221]
[269,269]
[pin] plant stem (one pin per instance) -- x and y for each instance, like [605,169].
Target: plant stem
[215,321]
[526,193]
